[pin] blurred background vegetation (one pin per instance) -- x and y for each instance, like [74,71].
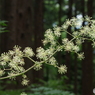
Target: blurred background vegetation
[26,22]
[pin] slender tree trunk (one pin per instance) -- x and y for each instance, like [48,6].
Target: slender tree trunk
[18,13]
[38,32]
[87,70]
[60,12]
[68,57]
[59,55]
[0,19]
[83,7]
[88,61]
[75,57]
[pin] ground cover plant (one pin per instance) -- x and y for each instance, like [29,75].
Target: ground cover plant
[37,90]
[12,62]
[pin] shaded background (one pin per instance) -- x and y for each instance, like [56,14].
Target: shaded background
[27,21]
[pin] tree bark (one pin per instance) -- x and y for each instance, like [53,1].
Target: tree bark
[68,56]
[19,14]
[38,34]
[60,12]
[88,61]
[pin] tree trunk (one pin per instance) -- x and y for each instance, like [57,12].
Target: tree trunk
[88,61]
[68,56]
[38,34]
[60,12]
[19,15]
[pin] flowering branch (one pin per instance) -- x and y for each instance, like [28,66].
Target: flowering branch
[13,60]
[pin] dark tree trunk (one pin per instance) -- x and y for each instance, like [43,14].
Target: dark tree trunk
[87,87]
[59,55]
[83,7]
[19,16]
[75,58]
[38,32]
[60,12]
[88,61]
[68,56]
[68,36]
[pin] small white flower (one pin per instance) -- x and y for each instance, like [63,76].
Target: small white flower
[68,22]
[12,65]
[24,76]
[5,57]
[21,69]
[64,26]
[75,33]
[23,93]
[16,59]
[3,63]
[81,56]
[11,53]
[87,18]
[93,44]
[49,51]
[38,66]
[57,31]
[25,82]
[1,72]
[49,35]
[69,46]
[62,69]
[12,74]
[41,53]
[65,40]
[17,49]
[52,61]
[76,48]
[78,41]
[74,21]
[45,41]
[28,52]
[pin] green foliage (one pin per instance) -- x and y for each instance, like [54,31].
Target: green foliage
[10,92]
[38,91]
[53,7]
[3,26]
[57,83]
[49,91]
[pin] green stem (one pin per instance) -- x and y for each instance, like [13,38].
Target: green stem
[18,74]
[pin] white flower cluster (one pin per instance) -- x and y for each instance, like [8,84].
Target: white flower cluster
[49,35]
[38,66]
[28,52]
[62,69]
[57,31]
[69,46]
[13,60]
[44,54]
[25,82]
